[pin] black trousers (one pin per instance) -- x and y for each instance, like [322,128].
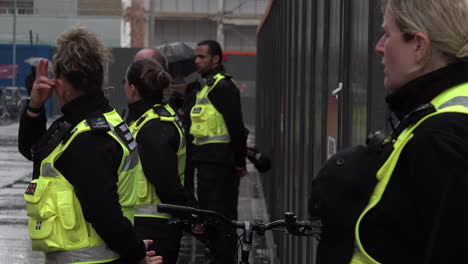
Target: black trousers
[218,190]
[166,238]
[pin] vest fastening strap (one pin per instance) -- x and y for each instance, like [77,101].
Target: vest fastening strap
[81,255]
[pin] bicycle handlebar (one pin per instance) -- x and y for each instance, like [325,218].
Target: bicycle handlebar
[290,222]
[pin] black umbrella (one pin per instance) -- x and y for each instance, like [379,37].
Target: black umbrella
[178,51]
[180,57]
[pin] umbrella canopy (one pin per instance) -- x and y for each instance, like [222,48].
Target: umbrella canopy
[180,57]
[178,51]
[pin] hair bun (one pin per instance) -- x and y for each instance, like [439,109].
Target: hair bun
[163,78]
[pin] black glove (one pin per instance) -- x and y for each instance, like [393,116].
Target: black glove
[262,163]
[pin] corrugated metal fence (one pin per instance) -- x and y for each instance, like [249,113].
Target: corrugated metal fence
[306,50]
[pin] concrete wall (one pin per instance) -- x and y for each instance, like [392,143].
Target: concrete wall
[237,38]
[184,31]
[63,8]
[49,27]
[211,6]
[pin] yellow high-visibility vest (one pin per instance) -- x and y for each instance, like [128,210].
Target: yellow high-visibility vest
[453,100]
[147,197]
[208,125]
[57,225]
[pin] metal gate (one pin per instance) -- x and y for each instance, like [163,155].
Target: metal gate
[319,90]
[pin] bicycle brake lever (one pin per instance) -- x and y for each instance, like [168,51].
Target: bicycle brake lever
[307,228]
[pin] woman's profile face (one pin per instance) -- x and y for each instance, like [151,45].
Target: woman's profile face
[398,55]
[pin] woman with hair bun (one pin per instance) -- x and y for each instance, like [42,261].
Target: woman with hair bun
[417,211]
[82,196]
[161,143]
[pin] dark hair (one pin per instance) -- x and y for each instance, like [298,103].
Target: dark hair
[79,59]
[149,77]
[213,48]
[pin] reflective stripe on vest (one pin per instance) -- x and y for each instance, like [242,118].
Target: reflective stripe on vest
[453,100]
[150,211]
[208,125]
[57,223]
[84,255]
[182,150]
[147,196]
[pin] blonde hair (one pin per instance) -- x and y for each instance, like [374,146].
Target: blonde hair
[79,59]
[443,21]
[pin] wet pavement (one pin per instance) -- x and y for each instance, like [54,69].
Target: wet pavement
[15,245]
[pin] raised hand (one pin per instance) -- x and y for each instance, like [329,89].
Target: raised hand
[42,87]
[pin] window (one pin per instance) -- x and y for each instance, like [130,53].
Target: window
[24,7]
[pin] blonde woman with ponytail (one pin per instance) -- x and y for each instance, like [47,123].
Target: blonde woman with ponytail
[417,212]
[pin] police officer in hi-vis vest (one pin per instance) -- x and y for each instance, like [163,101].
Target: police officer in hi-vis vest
[219,145]
[161,143]
[416,212]
[82,197]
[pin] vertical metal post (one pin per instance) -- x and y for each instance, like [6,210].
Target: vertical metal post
[151,24]
[220,20]
[30,37]
[13,80]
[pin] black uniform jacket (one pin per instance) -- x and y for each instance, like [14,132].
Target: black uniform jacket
[226,99]
[158,143]
[90,164]
[423,216]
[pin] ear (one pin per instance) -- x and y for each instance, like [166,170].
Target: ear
[133,89]
[216,59]
[134,92]
[422,48]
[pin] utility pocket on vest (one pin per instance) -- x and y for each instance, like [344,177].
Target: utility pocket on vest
[66,209]
[39,231]
[37,203]
[142,190]
[54,224]
[200,118]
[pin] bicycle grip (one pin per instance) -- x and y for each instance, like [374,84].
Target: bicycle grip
[175,209]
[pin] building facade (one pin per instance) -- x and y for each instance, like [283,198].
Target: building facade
[155,22]
[41,21]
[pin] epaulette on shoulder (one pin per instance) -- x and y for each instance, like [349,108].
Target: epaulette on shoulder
[161,111]
[125,135]
[98,124]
